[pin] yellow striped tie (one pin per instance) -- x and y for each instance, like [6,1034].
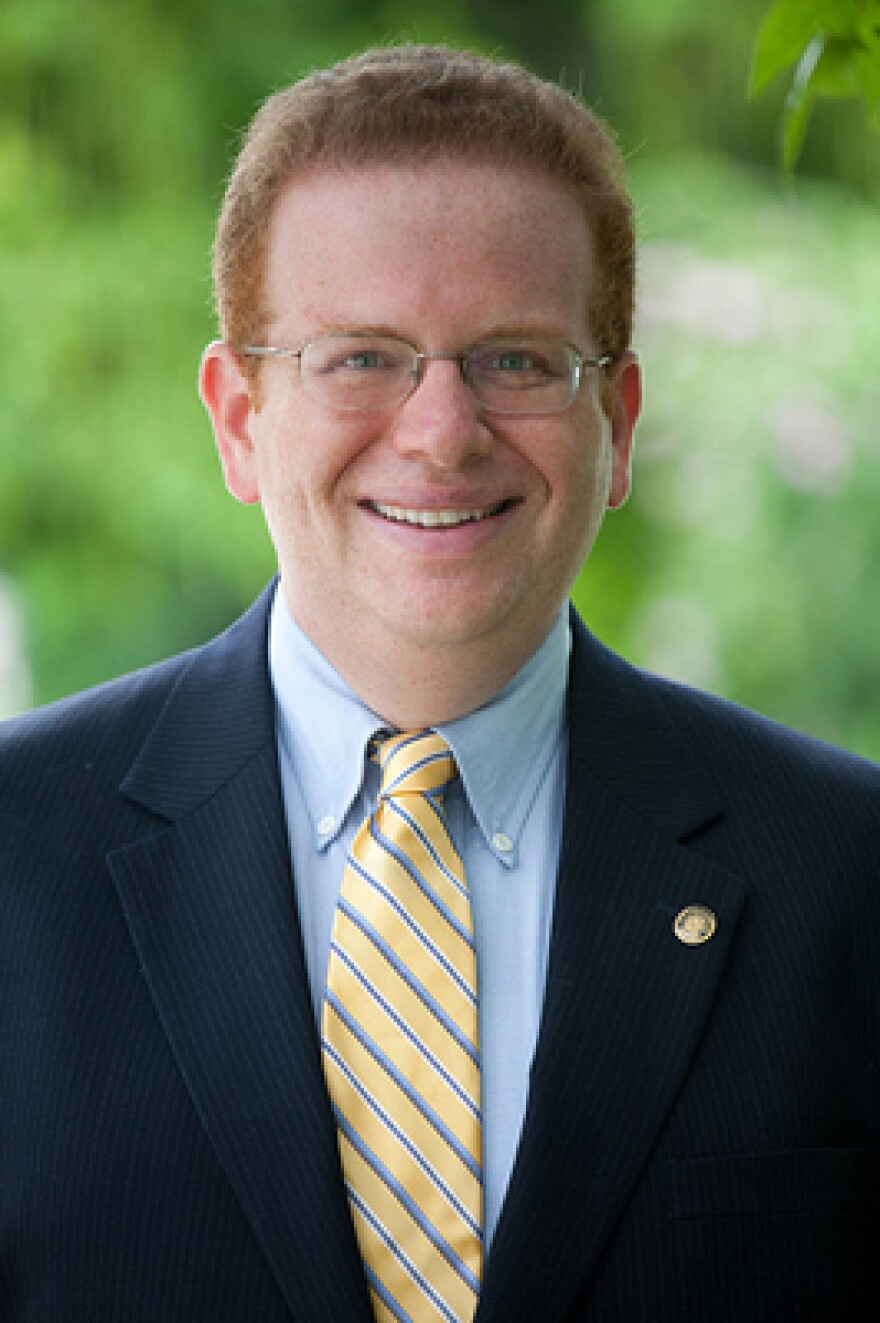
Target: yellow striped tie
[400,1046]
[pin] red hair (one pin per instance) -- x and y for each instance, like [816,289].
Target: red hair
[408,103]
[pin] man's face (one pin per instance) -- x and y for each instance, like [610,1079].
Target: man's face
[442,254]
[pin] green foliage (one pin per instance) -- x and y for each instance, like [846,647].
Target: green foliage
[752,526]
[831,48]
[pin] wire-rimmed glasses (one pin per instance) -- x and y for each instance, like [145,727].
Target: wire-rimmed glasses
[359,371]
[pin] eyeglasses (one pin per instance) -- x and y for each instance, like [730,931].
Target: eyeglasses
[359,371]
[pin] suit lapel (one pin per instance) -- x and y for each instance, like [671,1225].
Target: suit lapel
[626,1002]
[208,897]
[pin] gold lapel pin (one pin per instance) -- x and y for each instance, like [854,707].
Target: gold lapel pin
[695,924]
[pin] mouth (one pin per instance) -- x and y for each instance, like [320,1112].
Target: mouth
[398,514]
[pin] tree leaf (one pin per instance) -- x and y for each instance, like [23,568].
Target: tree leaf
[869,26]
[790,26]
[836,71]
[799,104]
[867,75]
[786,31]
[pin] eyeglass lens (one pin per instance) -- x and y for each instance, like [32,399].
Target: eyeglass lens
[377,372]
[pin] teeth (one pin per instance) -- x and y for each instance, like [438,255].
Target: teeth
[435,518]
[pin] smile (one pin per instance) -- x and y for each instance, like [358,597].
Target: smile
[435,518]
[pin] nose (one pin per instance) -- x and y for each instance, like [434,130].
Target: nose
[441,421]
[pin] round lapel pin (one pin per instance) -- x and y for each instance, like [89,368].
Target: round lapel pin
[695,924]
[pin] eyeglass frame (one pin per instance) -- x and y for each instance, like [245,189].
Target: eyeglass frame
[578,362]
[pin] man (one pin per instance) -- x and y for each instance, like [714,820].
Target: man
[639,1080]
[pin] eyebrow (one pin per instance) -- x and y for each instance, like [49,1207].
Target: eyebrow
[501,330]
[535,330]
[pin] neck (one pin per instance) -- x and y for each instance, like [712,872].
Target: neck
[412,693]
[412,686]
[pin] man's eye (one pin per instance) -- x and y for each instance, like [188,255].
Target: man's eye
[360,360]
[513,360]
[515,364]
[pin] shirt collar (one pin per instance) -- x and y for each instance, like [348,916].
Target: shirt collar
[503,749]
[323,728]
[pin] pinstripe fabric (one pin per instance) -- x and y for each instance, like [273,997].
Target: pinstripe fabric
[703,1133]
[400,1045]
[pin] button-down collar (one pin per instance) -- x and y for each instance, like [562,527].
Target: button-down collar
[502,749]
[323,729]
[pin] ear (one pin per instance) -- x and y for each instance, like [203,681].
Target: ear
[625,405]
[229,398]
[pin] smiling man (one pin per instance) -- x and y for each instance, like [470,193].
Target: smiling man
[473,479]
[402,954]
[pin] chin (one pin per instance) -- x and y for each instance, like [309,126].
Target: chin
[454,627]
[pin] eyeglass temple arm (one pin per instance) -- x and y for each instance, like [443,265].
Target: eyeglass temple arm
[267,351]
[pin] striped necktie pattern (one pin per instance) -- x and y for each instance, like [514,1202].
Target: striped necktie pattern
[400,1045]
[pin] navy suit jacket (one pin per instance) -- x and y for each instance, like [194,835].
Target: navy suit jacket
[703,1121]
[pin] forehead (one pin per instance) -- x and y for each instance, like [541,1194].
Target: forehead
[444,238]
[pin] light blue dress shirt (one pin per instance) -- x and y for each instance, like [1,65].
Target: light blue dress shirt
[505,817]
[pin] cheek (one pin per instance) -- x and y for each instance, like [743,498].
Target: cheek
[581,488]
[307,469]
[579,479]
[281,479]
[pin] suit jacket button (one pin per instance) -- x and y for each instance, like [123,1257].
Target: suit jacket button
[695,924]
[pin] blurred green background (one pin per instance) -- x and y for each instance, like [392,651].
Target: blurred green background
[748,558]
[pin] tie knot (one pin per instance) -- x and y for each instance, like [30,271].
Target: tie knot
[415,763]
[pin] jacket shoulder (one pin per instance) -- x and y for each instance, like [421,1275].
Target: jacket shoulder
[734,739]
[96,729]
[800,805]
[658,741]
